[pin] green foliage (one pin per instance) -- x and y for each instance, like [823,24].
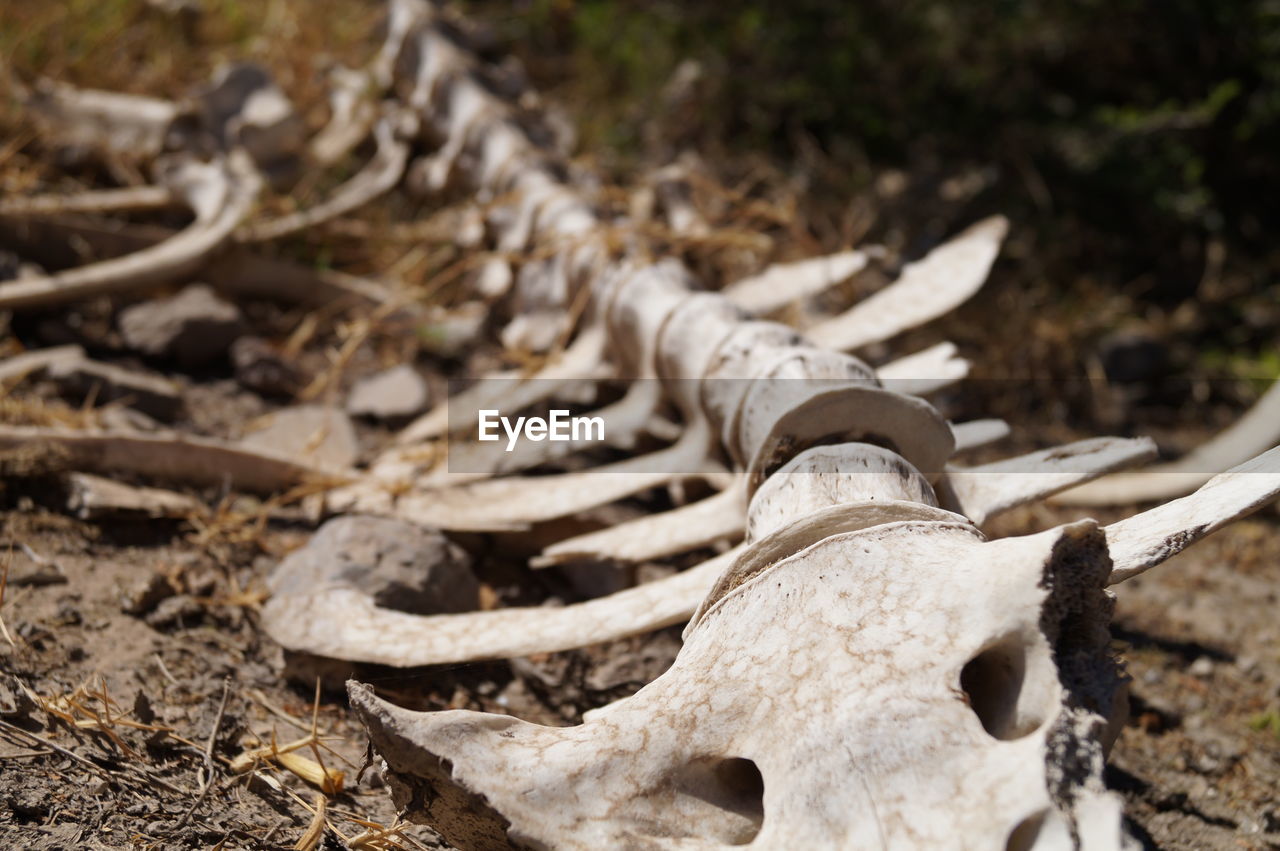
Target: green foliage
[1266,722]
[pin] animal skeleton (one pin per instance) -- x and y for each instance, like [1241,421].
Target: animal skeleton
[862,667]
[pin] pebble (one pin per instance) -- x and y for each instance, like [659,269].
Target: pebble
[393,394]
[399,564]
[194,327]
[313,434]
[261,368]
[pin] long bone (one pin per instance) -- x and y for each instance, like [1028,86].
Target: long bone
[381,174]
[235,271]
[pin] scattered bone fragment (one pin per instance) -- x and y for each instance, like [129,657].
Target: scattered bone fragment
[82,380]
[130,124]
[449,332]
[316,435]
[1254,433]
[144,594]
[394,394]
[168,457]
[243,107]
[35,362]
[400,566]
[193,327]
[92,497]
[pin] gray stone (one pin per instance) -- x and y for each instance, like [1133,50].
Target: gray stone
[393,394]
[193,327]
[314,434]
[261,368]
[400,565]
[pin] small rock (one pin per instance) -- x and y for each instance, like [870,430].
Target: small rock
[393,394]
[595,579]
[14,702]
[261,368]
[399,564]
[312,433]
[1202,667]
[82,378]
[175,610]
[194,327]
[145,594]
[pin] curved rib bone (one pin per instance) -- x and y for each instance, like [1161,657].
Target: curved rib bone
[783,283]
[982,492]
[938,283]
[322,615]
[1255,432]
[689,527]
[381,174]
[927,371]
[221,195]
